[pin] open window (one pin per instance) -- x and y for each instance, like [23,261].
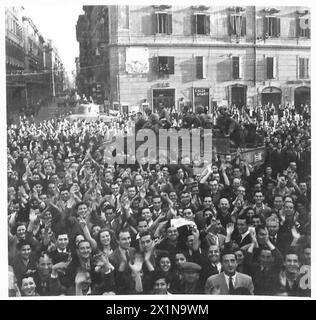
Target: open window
[237,24]
[201,23]
[272,27]
[165,65]
[163,23]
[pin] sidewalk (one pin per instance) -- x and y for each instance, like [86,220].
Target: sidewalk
[52,111]
[48,112]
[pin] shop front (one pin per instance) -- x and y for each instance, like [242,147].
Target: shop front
[163,97]
[238,95]
[271,95]
[201,99]
[302,96]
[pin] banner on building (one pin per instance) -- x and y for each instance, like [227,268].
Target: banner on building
[137,60]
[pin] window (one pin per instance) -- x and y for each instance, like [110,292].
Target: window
[236,68]
[271,67]
[272,27]
[200,67]
[303,28]
[303,68]
[237,25]
[163,23]
[201,23]
[165,65]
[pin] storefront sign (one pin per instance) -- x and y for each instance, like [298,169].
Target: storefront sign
[200,92]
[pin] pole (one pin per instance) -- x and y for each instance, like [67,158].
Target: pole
[53,80]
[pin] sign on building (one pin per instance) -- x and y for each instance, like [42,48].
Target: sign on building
[201,98]
[137,60]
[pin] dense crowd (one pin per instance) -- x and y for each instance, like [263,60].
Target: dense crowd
[78,225]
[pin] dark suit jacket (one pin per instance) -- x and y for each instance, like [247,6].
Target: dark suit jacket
[218,281]
[265,282]
[237,238]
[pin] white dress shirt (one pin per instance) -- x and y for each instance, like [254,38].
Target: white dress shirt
[227,279]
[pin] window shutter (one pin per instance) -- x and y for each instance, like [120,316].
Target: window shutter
[169,23]
[171,65]
[301,68]
[241,68]
[199,67]
[274,61]
[155,23]
[298,28]
[194,24]
[155,64]
[231,25]
[308,30]
[269,65]
[243,28]
[265,27]
[235,67]
[207,24]
[278,27]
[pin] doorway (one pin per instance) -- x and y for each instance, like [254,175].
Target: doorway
[271,95]
[238,95]
[302,96]
[164,97]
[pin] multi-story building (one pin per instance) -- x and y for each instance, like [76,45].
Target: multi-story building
[197,55]
[33,67]
[35,77]
[92,78]
[53,66]
[15,56]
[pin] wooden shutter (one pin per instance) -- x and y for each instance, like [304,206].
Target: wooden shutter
[170,62]
[194,24]
[308,32]
[199,67]
[155,65]
[169,23]
[207,24]
[301,68]
[265,27]
[235,61]
[274,74]
[243,26]
[278,27]
[298,28]
[230,25]
[155,23]
[269,65]
[241,67]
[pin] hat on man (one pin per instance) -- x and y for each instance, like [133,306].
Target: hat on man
[190,266]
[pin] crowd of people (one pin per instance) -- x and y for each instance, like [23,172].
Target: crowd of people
[78,225]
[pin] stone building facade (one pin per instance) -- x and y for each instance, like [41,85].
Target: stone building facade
[198,55]
[34,70]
